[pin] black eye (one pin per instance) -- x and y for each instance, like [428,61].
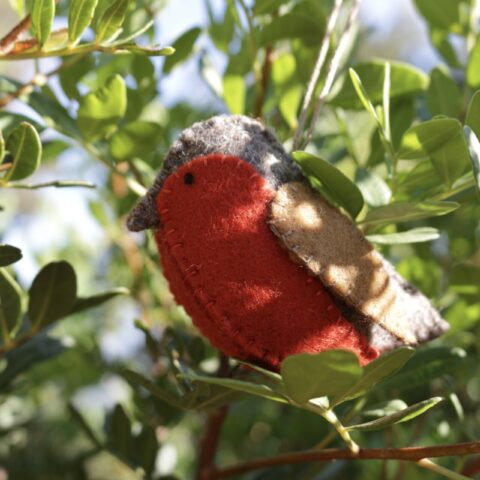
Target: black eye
[188,178]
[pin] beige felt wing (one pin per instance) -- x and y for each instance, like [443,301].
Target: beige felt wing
[335,251]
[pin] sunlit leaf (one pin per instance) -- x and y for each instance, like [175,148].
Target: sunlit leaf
[474,150]
[100,111]
[444,96]
[80,15]
[330,373]
[110,20]
[407,212]
[398,417]
[415,235]
[374,189]
[340,187]
[136,139]
[42,14]
[404,80]
[473,114]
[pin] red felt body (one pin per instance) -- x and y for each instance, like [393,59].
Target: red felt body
[228,270]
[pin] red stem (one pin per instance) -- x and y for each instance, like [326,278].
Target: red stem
[412,454]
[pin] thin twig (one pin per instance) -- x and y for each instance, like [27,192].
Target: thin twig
[266,70]
[11,37]
[411,454]
[211,437]
[332,69]
[55,183]
[322,56]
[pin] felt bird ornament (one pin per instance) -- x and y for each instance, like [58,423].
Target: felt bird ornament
[263,264]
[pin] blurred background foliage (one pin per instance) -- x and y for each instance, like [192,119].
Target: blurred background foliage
[98,126]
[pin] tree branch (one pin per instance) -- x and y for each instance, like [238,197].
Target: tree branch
[7,42]
[332,70]
[322,56]
[410,454]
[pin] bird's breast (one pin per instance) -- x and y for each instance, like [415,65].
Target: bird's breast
[228,270]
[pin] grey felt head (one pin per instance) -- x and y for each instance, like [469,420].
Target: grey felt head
[235,135]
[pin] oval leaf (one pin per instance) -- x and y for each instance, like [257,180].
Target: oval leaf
[407,212]
[374,189]
[331,373]
[26,149]
[110,20]
[10,305]
[52,294]
[100,111]
[444,96]
[382,367]
[404,80]
[42,14]
[337,185]
[80,15]
[401,416]
[183,47]
[136,139]
[416,235]
[443,142]
[9,254]
[239,385]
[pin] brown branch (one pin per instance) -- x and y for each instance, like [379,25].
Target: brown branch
[11,37]
[266,70]
[211,437]
[410,454]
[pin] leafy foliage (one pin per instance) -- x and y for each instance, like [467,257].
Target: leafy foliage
[395,148]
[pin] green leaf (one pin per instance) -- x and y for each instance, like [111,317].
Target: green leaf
[100,111]
[10,305]
[401,416]
[407,212]
[441,41]
[83,424]
[263,7]
[239,385]
[234,92]
[2,147]
[110,20]
[52,294]
[473,114]
[473,67]
[474,150]
[183,47]
[404,80]
[426,365]
[363,96]
[444,96]
[9,254]
[415,235]
[385,408]
[26,149]
[120,431]
[42,14]
[138,379]
[150,51]
[337,185]
[441,140]
[383,367]
[290,26]
[80,15]
[374,189]
[441,14]
[136,139]
[86,303]
[330,373]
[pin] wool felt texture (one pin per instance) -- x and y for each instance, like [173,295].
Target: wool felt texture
[234,135]
[230,272]
[333,249]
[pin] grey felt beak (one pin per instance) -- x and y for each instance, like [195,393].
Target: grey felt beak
[144,215]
